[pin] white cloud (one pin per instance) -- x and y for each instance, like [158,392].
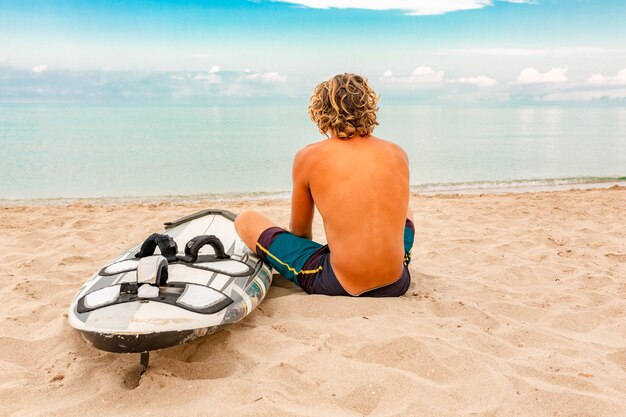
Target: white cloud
[214,69]
[421,75]
[40,68]
[269,77]
[273,77]
[210,78]
[620,78]
[202,55]
[425,7]
[426,75]
[424,84]
[532,76]
[480,81]
[412,7]
[599,79]
[4,60]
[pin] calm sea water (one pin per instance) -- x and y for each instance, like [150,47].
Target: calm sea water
[49,151]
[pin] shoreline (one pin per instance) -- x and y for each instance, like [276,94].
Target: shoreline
[467,188]
[522,188]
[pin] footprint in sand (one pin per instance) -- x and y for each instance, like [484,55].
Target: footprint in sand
[403,353]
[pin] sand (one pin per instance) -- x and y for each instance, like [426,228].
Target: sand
[517,308]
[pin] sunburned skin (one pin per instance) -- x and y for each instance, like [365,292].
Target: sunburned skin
[360,186]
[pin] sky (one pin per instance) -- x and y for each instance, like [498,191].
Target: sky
[450,51]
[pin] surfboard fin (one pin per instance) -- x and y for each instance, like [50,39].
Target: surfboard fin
[144,359]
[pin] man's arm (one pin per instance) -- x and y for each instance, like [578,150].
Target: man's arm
[302,206]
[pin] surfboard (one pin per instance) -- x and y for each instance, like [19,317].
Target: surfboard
[189,281]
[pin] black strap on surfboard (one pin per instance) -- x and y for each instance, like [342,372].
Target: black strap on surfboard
[194,245]
[167,246]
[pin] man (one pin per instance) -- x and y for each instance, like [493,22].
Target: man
[360,185]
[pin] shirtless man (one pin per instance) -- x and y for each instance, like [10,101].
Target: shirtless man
[360,185]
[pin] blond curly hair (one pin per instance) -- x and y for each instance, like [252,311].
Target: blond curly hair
[345,105]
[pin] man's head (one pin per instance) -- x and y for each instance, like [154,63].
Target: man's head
[344,105]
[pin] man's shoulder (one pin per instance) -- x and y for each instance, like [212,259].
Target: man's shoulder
[309,151]
[390,146]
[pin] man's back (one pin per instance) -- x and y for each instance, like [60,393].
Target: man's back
[361,188]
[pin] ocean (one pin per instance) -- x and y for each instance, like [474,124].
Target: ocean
[245,151]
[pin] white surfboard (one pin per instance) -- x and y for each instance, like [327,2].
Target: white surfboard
[144,301]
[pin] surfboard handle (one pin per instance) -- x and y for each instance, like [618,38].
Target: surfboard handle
[194,245]
[144,359]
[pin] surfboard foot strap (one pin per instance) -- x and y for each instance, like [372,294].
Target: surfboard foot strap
[166,244]
[144,358]
[194,245]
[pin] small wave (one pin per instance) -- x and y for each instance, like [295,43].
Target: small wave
[151,199]
[517,186]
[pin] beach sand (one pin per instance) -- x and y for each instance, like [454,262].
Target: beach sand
[517,308]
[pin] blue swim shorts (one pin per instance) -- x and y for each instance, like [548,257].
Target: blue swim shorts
[307,263]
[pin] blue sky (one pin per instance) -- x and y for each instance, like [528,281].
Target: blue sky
[431,50]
